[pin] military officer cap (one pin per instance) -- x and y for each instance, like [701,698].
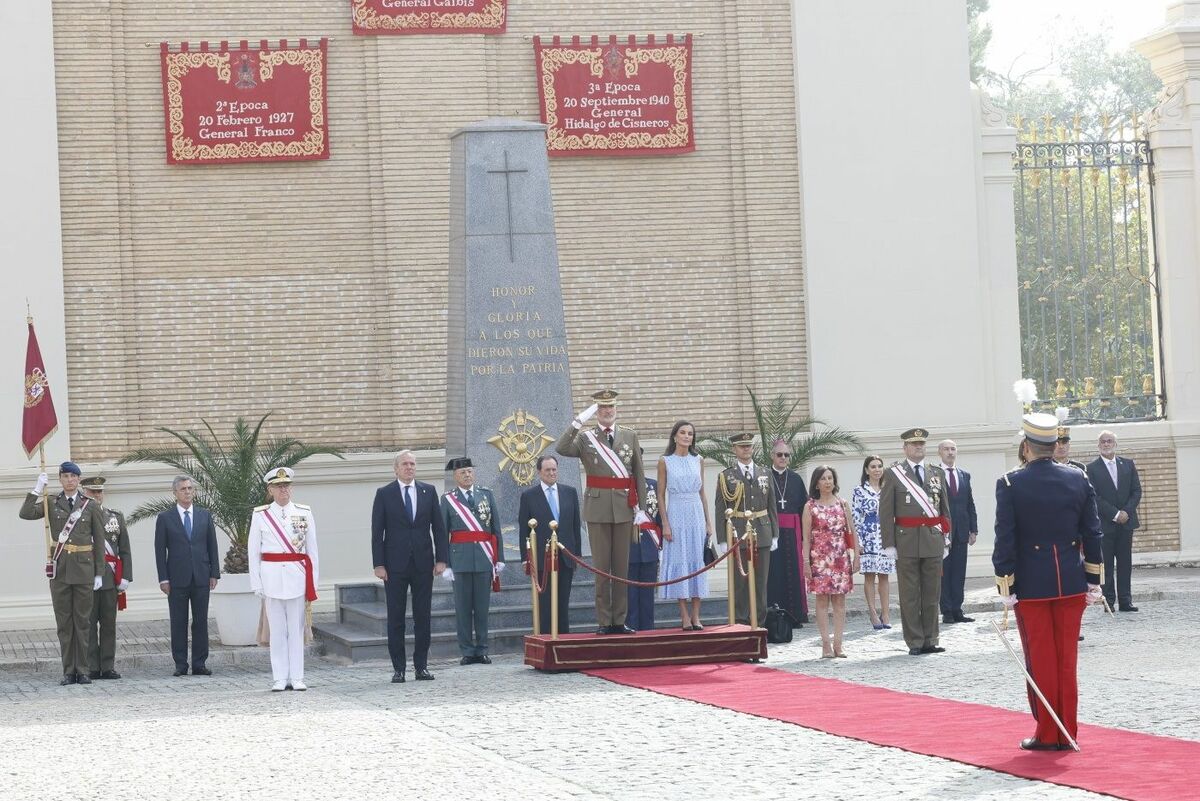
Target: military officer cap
[1040,427]
[605,397]
[279,475]
[914,435]
[93,483]
[1064,434]
[459,463]
[69,467]
[745,438]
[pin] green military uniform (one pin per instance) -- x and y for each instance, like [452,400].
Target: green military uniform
[607,510]
[751,492]
[79,562]
[919,547]
[102,628]
[471,566]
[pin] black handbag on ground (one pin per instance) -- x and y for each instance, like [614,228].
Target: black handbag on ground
[778,625]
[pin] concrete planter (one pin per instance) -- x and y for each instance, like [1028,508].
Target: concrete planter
[236,610]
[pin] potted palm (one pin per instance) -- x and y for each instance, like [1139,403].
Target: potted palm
[228,481]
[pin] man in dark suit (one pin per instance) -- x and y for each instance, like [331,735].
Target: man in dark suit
[408,548]
[549,500]
[1118,493]
[964,529]
[185,548]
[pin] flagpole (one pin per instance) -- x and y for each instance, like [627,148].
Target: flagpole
[42,459]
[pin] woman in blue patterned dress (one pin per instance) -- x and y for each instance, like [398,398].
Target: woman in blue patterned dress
[685,521]
[875,566]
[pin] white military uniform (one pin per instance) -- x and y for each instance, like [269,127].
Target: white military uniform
[282,584]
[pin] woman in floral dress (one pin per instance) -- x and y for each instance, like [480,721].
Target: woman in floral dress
[875,566]
[831,555]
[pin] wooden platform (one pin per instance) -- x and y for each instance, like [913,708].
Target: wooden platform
[645,648]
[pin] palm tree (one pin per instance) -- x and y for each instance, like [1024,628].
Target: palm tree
[228,478]
[776,420]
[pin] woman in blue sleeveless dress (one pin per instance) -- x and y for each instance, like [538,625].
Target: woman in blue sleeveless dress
[686,523]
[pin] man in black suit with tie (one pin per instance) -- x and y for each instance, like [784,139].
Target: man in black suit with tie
[1118,493]
[964,529]
[408,548]
[549,500]
[185,548]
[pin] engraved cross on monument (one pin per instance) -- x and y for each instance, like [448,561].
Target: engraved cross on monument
[508,375]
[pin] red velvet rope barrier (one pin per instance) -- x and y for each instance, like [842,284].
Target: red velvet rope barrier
[577,560]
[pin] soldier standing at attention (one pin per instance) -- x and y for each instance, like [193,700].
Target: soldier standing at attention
[76,564]
[118,574]
[614,502]
[747,487]
[476,558]
[1049,565]
[1062,450]
[914,521]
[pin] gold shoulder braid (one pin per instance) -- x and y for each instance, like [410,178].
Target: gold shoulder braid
[734,498]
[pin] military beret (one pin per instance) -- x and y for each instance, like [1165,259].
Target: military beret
[70,467]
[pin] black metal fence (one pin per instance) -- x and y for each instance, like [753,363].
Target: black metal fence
[1086,269]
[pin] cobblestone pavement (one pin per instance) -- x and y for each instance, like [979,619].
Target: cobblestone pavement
[506,732]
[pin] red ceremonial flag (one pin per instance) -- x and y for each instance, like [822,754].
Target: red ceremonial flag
[39,421]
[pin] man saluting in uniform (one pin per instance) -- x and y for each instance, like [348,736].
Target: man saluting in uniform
[614,504]
[76,566]
[1048,567]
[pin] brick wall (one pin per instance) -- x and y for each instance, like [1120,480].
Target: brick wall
[317,290]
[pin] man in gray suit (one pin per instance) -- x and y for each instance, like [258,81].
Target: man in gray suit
[185,549]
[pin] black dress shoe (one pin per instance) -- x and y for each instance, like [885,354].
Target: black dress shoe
[398,677]
[68,678]
[964,619]
[915,652]
[93,674]
[1081,638]
[1033,744]
[108,674]
[604,630]
[483,659]
[201,671]
[933,649]
[622,629]
[424,675]
[1127,608]
[947,619]
[82,679]
[180,671]
[467,660]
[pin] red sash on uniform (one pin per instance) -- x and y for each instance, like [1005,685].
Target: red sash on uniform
[310,588]
[919,522]
[487,541]
[614,483]
[118,570]
[655,532]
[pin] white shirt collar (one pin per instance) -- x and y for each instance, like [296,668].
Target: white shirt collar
[546,487]
[402,484]
[914,465]
[947,467]
[1109,461]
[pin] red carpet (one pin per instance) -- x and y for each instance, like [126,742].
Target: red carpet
[1126,764]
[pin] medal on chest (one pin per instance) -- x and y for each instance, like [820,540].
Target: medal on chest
[299,525]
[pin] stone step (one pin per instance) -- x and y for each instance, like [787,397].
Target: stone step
[515,594]
[372,617]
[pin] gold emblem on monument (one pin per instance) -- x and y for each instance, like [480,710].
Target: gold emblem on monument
[522,439]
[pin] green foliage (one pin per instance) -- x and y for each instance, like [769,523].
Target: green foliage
[777,420]
[227,476]
[979,35]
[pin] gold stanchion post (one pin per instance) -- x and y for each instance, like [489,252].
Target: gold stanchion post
[532,552]
[729,538]
[553,547]
[751,579]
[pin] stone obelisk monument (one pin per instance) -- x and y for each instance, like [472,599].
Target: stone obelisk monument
[508,374]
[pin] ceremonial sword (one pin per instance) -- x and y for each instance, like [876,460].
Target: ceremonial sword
[1033,685]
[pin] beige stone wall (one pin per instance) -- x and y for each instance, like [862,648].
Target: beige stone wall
[316,290]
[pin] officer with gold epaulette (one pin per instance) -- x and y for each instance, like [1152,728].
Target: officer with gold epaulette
[746,489]
[76,564]
[1048,563]
[614,502]
[476,558]
[118,574]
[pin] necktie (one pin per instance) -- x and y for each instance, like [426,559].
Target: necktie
[552,499]
[608,433]
[187,523]
[408,503]
[71,500]
[1112,471]
[748,472]
[953,481]
[917,473]
[470,497]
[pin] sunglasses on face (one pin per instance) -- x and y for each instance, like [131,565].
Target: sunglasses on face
[779,453]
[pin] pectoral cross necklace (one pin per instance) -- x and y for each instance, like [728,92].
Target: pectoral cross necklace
[781,493]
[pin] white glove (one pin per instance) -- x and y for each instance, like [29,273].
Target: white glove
[640,517]
[41,484]
[97,583]
[124,585]
[775,544]
[259,592]
[945,552]
[1095,595]
[448,574]
[499,567]
[890,553]
[1009,601]
[722,547]
[585,415]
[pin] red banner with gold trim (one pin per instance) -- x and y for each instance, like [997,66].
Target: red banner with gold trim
[232,105]
[38,420]
[428,16]
[616,99]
